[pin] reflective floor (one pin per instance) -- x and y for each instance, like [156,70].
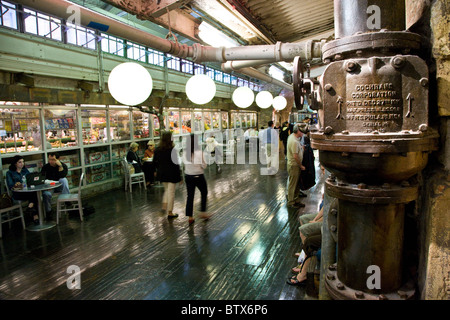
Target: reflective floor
[128,249]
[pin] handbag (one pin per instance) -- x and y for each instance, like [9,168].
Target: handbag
[5,201]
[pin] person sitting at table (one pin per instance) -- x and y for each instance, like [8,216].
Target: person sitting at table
[148,167]
[14,175]
[133,158]
[57,171]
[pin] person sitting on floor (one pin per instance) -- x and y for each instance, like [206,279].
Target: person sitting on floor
[57,171]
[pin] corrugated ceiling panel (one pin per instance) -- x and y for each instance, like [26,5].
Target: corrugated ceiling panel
[292,20]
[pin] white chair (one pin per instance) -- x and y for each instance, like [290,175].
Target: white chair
[71,198]
[132,178]
[6,217]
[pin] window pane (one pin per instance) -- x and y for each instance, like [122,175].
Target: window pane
[119,121]
[91,39]
[55,26]
[93,124]
[9,18]
[60,128]
[43,25]
[141,125]
[71,34]
[30,22]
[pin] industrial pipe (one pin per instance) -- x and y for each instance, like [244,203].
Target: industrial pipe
[199,53]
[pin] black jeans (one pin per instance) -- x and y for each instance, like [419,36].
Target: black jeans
[191,183]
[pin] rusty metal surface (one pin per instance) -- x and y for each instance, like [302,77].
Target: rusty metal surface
[339,291]
[355,168]
[365,45]
[363,193]
[375,142]
[385,94]
[370,235]
[356,16]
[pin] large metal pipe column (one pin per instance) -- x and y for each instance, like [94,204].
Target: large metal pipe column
[374,137]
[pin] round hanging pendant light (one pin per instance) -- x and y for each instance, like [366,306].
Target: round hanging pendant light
[200,89]
[279,103]
[264,99]
[243,97]
[130,83]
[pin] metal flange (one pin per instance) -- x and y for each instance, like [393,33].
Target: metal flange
[369,43]
[379,194]
[339,291]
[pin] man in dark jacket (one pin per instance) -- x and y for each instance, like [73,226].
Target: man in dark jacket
[57,171]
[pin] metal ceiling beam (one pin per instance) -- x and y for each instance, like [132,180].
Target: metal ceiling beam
[165,13]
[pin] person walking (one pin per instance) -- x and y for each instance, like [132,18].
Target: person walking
[168,171]
[194,166]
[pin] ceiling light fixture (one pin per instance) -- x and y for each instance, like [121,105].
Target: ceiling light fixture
[200,89]
[130,83]
[243,97]
[264,99]
[279,103]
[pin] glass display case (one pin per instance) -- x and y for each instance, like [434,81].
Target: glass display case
[60,128]
[156,126]
[141,124]
[93,126]
[119,125]
[225,120]
[207,121]
[97,173]
[98,167]
[20,130]
[186,122]
[118,153]
[173,121]
[198,122]
[215,120]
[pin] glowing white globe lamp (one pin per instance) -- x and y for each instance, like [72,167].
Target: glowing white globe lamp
[130,83]
[279,103]
[200,89]
[243,97]
[264,99]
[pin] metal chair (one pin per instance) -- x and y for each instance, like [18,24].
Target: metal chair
[5,216]
[72,198]
[132,178]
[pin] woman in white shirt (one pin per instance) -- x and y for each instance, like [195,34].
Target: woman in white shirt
[194,165]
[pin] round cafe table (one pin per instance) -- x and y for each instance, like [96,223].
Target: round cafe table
[43,225]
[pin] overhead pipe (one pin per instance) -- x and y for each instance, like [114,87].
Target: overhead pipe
[279,52]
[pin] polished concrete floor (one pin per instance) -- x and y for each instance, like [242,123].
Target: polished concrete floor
[129,250]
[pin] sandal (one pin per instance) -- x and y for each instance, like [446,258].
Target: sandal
[191,221]
[296,282]
[297,269]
